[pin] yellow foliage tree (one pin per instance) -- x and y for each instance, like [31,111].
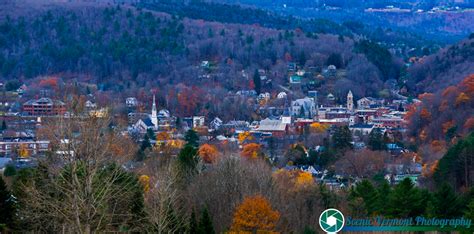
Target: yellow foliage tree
[208,153]
[23,151]
[163,136]
[304,178]
[245,136]
[251,150]
[255,214]
[318,127]
[462,98]
[145,181]
[293,180]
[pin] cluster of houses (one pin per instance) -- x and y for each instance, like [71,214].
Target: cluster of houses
[279,122]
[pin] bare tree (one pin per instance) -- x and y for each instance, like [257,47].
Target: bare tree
[80,186]
[361,164]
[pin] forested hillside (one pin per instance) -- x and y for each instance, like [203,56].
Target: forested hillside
[128,50]
[447,67]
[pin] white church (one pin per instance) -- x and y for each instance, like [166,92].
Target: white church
[154,120]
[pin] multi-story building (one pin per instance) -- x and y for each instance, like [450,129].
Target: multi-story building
[44,107]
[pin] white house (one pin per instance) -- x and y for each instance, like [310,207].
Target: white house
[303,108]
[131,102]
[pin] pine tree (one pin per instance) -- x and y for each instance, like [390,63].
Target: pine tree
[7,206]
[376,141]
[342,138]
[188,158]
[469,213]
[150,133]
[4,125]
[145,143]
[446,202]
[384,191]
[405,201]
[455,166]
[205,223]
[191,137]
[257,82]
[369,194]
[193,225]
[309,230]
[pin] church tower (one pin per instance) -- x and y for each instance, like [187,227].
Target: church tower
[154,116]
[350,101]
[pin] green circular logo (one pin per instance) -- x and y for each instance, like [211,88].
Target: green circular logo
[331,220]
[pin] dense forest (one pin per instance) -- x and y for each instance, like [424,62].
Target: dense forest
[128,50]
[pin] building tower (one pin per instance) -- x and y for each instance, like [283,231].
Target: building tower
[350,101]
[154,116]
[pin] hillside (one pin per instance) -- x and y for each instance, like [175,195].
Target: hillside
[409,21]
[126,51]
[447,67]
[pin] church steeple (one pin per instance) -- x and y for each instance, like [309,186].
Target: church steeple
[350,101]
[154,116]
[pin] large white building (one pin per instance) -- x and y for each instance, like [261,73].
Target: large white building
[303,108]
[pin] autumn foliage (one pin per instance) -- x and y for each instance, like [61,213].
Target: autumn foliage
[255,214]
[251,150]
[319,127]
[208,153]
[245,136]
[293,180]
[443,115]
[145,182]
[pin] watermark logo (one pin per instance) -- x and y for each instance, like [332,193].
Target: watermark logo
[331,220]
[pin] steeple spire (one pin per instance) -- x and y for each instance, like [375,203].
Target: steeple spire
[350,101]
[154,116]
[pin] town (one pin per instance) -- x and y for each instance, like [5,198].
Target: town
[308,122]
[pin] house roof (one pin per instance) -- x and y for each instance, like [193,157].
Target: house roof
[43,101]
[271,125]
[361,125]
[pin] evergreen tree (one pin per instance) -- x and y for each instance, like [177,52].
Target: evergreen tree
[457,164]
[405,201]
[205,223]
[257,82]
[376,140]
[342,138]
[10,170]
[145,143]
[308,230]
[446,202]
[7,205]
[187,158]
[369,195]
[384,191]
[4,125]
[151,134]
[193,225]
[327,199]
[191,137]
[469,213]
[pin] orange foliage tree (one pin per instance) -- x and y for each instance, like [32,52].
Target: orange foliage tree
[251,150]
[318,127]
[255,214]
[293,180]
[145,182]
[23,151]
[469,124]
[208,153]
[468,84]
[245,136]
